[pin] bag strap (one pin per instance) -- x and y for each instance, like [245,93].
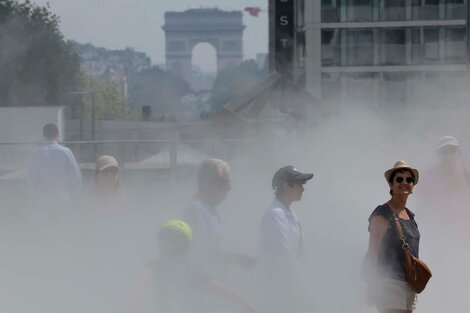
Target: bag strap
[401,234]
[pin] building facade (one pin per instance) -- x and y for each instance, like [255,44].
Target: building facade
[378,52]
[113,65]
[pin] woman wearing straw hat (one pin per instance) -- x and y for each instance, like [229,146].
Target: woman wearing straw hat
[385,259]
[106,193]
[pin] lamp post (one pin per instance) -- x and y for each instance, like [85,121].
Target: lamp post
[91,94]
[93,115]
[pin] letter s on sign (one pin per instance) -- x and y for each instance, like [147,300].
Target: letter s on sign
[284,20]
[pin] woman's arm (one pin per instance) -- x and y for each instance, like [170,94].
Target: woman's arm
[377,229]
[230,294]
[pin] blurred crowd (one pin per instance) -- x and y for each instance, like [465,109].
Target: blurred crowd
[187,273]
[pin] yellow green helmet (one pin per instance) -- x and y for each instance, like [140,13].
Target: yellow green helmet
[178,226]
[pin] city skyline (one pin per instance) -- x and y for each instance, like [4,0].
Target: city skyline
[117,24]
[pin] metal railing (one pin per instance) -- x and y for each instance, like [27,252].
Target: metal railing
[130,153]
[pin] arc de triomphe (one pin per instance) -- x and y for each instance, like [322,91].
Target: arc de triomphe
[184,30]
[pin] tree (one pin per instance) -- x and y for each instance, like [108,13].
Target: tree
[110,105]
[234,82]
[37,66]
[158,89]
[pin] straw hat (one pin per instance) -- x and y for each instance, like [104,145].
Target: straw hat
[402,165]
[106,161]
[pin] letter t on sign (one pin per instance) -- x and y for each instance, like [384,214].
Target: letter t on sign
[284,42]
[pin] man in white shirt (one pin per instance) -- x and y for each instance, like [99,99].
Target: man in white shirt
[54,177]
[281,244]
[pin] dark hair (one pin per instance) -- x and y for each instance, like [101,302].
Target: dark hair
[394,173]
[50,131]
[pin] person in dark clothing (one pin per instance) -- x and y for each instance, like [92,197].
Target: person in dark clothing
[180,285]
[385,267]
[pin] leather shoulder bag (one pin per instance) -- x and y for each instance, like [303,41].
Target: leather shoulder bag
[418,273]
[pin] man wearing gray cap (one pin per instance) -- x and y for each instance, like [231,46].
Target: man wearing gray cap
[280,232]
[444,213]
[281,243]
[449,176]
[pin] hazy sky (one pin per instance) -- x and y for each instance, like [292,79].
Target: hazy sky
[118,24]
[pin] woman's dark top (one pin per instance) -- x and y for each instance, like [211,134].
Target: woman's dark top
[391,255]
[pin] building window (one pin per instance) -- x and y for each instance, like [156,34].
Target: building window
[330,47]
[330,12]
[393,46]
[425,9]
[393,10]
[417,50]
[455,43]
[360,47]
[425,45]
[300,12]
[431,45]
[359,10]
[456,9]
[393,89]
[330,84]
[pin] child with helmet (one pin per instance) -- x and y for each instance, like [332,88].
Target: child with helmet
[180,286]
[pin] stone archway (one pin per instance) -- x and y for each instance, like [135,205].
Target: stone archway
[184,30]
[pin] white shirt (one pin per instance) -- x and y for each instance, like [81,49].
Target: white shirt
[205,225]
[280,240]
[280,235]
[54,172]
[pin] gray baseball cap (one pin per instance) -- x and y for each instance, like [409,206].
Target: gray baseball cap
[289,174]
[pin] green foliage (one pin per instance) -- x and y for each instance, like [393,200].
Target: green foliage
[110,105]
[37,66]
[159,89]
[234,82]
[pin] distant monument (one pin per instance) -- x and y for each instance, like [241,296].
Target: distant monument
[184,30]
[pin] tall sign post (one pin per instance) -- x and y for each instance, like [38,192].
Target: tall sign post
[282,34]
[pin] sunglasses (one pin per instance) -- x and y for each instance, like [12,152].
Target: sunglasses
[112,170]
[400,179]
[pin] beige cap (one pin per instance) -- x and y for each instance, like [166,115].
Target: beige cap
[106,161]
[447,141]
[402,165]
